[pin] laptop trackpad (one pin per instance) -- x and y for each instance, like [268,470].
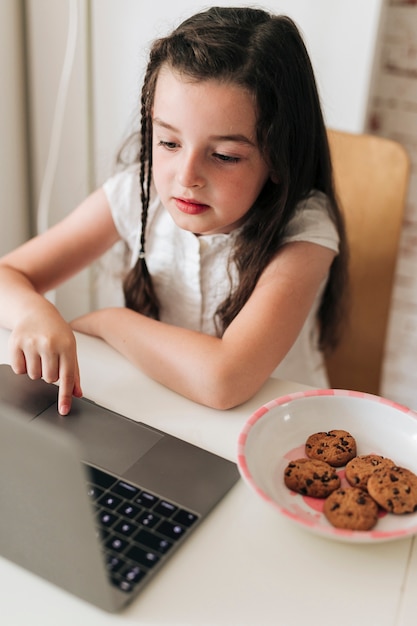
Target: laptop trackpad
[20,392]
[107,439]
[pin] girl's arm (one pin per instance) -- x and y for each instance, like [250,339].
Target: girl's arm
[42,344]
[225,372]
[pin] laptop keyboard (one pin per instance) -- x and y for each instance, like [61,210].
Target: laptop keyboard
[138,529]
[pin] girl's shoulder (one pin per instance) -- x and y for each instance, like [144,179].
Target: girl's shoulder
[124,198]
[124,195]
[123,186]
[312,222]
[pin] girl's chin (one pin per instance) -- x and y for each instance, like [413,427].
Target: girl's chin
[200,224]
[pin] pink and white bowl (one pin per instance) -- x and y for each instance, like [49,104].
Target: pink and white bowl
[276,432]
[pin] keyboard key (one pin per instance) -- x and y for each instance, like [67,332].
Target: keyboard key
[149,519]
[129,510]
[146,499]
[185,517]
[147,558]
[150,540]
[166,509]
[172,531]
[126,490]
[116,544]
[102,534]
[114,563]
[94,492]
[100,478]
[106,518]
[123,585]
[109,501]
[126,528]
[133,573]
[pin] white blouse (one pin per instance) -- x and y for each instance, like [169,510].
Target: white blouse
[191,274]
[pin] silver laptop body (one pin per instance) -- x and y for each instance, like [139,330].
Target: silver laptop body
[48,523]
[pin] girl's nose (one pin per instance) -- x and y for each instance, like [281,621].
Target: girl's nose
[190,170]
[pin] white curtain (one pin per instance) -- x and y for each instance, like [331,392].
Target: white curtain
[14,192]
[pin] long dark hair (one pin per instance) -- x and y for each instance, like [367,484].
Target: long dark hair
[266,55]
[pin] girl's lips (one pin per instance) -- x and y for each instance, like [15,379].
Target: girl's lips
[190,207]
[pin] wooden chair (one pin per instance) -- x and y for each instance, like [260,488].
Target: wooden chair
[371,177]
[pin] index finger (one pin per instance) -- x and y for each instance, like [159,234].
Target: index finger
[69,386]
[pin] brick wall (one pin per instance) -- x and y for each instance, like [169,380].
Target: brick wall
[393,113]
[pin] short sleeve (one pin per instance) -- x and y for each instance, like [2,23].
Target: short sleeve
[123,195]
[312,222]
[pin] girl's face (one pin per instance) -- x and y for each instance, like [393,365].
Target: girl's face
[207,167]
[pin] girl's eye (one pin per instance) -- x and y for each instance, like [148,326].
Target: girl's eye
[226,158]
[169,145]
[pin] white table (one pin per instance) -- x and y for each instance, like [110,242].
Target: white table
[245,565]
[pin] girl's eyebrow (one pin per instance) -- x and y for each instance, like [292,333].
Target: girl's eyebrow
[238,138]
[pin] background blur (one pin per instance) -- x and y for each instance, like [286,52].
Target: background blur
[71,73]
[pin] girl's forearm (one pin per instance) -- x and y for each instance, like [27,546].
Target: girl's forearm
[18,297]
[191,363]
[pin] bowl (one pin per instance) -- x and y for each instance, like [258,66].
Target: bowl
[276,433]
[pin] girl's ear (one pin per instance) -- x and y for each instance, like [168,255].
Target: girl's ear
[274,177]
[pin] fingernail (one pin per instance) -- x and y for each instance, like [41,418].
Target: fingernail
[64,409]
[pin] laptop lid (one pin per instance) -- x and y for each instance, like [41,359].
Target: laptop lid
[46,521]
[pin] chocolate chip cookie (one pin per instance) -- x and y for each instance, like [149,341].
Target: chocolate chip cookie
[359,469]
[394,489]
[351,508]
[336,447]
[311,477]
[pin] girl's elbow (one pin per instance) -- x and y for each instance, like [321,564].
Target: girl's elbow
[228,391]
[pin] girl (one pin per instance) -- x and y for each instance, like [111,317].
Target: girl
[236,243]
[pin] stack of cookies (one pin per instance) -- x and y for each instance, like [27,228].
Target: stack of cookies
[374,481]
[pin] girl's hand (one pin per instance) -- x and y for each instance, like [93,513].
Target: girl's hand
[43,346]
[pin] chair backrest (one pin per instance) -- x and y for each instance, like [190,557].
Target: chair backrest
[371,176]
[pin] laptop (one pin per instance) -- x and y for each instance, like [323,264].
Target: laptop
[95,502]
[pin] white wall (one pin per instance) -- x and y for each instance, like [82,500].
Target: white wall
[14,207]
[47,45]
[393,114]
